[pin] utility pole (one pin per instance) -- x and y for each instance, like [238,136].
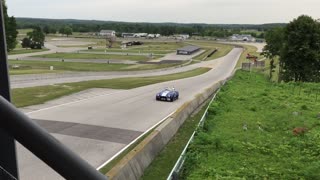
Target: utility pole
[8,160]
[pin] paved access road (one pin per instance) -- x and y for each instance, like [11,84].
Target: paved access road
[97,128]
[52,49]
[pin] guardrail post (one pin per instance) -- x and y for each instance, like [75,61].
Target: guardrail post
[8,161]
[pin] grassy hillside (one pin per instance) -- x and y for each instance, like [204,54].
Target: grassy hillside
[259,130]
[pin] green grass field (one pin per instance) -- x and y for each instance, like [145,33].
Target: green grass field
[162,165]
[96,56]
[158,46]
[131,51]
[23,31]
[37,95]
[249,133]
[25,51]
[223,49]
[39,67]
[64,66]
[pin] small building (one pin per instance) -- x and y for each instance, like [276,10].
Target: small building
[188,50]
[151,36]
[110,33]
[182,36]
[139,35]
[127,35]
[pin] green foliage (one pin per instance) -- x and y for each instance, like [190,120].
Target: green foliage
[164,162]
[10,28]
[215,30]
[274,39]
[46,30]
[298,45]
[37,38]
[301,51]
[67,30]
[26,42]
[267,148]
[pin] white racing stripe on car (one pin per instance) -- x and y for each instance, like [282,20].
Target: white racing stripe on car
[165,93]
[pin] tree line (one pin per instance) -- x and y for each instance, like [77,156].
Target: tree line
[166,29]
[297,45]
[10,28]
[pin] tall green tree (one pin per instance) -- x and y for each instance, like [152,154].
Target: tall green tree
[274,39]
[46,30]
[10,27]
[37,38]
[61,30]
[26,43]
[67,30]
[300,54]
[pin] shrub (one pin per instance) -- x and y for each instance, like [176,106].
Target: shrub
[304,107]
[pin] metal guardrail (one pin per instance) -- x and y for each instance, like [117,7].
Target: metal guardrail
[44,146]
[179,164]
[174,174]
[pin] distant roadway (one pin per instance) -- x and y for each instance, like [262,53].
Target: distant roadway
[21,81]
[98,128]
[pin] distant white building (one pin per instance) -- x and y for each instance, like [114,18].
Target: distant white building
[138,35]
[127,35]
[111,33]
[242,37]
[182,36]
[153,35]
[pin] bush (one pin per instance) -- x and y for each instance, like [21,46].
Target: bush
[304,107]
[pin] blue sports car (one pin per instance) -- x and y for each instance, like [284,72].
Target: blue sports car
[167,95]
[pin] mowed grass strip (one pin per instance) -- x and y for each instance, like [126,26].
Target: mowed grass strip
[39,67]
[154,51]
[162,165]
[223,49]
[97,56]
[66,66]
[37,95]
[26,51]
[252,132]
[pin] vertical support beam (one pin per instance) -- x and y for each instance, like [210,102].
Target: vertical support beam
[8,159]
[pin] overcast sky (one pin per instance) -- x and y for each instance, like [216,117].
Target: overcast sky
[181,11]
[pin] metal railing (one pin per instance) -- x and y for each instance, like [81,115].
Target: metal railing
[174,174]
[15,125]
[45,146]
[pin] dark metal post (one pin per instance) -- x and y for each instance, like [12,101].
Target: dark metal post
[8,160]
[45,146]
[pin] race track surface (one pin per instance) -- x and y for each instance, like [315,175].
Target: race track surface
[97,128]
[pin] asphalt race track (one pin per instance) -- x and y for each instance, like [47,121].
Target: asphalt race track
[98,128]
